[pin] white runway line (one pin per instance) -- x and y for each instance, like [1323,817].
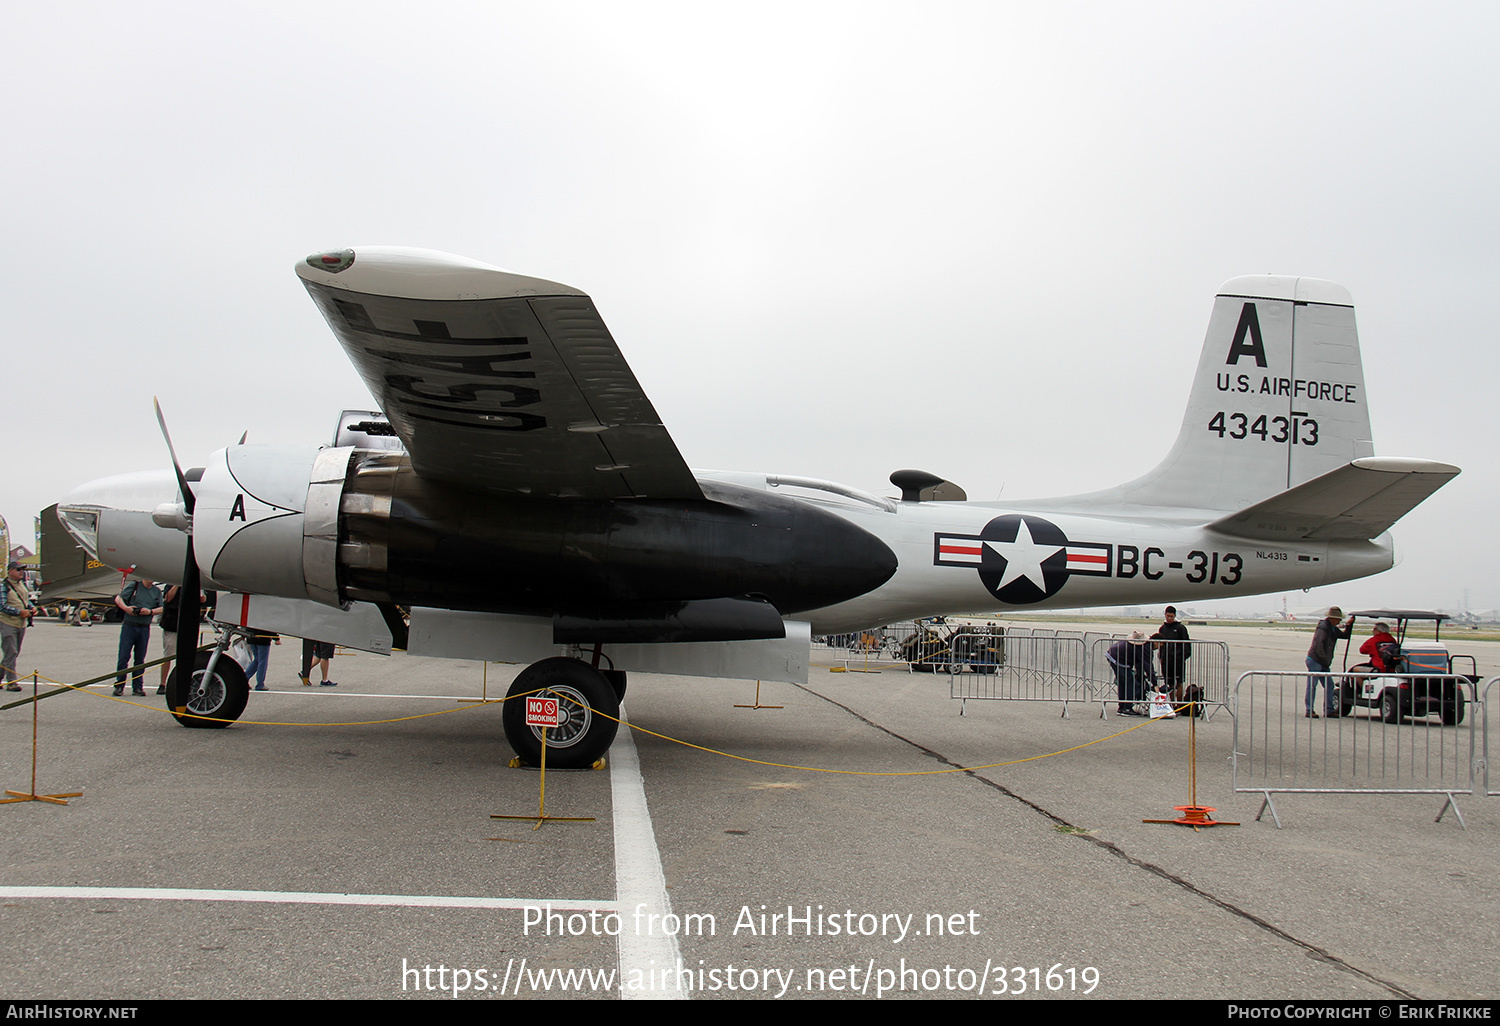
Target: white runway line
[646,952]
[640,884]
[302,898]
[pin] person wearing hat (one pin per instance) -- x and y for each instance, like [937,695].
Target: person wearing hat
[1320,657]
[16,609]
[1131,659]
[1381,647]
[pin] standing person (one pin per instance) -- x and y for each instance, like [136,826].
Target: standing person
[322,655]
[1320,657]
[139,601]
[308,646]
[1176,650]
[170,607]
[260,656]
[1131,659]
[16,609]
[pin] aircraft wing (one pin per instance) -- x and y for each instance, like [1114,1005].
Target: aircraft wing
[1360,500]
[496,382]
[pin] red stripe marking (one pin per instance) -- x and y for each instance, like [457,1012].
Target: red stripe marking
[244,610]
[961,550]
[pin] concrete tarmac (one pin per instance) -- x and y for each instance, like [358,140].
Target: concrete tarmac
[329,845]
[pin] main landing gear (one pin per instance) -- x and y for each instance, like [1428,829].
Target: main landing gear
[588,703]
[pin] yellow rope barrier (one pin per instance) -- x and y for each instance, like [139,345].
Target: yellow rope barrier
[282,723]
[876,773]
[643,730]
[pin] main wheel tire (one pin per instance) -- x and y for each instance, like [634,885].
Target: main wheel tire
[616,680]
[1346,696]
[1390,706]
[1453,714]
[582,693]
[221,697]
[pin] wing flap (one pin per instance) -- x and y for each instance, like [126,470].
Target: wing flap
[1360,500]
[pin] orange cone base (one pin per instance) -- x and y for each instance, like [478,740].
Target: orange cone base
[1194,816]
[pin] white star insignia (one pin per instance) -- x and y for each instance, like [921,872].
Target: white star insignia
[1024,558]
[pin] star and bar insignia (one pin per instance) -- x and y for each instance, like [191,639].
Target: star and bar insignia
[1022,559]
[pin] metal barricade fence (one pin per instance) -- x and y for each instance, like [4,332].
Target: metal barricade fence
[1089,640]
[1486,726]
[988,662]
[876,644]
[1360,741]
[1205,667]
[926,647]
[951,647]
[1020,664]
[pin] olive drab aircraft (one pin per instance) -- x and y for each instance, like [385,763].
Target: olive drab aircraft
[517,498]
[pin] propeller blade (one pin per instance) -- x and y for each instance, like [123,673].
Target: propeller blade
[188,499]
[188,607]
[188,611]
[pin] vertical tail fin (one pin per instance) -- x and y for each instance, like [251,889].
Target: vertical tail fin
[1279,398]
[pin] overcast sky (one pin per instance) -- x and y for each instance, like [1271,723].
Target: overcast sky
[832,239]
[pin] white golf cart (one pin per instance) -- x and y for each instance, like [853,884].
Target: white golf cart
[1402,690]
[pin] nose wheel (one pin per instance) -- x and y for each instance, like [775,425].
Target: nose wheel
[211,700]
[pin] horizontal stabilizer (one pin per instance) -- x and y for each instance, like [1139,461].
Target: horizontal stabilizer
[1358,501]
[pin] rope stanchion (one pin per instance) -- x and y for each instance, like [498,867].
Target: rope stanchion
[1193,814]
[32,796]
[544,712]
[757,704]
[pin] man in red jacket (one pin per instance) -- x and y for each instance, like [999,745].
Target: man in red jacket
[1375,650]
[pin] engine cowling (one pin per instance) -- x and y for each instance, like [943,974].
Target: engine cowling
[266,520]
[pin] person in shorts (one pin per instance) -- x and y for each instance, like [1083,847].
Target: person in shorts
[322,654]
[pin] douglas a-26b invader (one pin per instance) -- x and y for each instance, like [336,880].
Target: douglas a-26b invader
[532,508]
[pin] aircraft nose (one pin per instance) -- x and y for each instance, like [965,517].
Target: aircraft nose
[140,492]
[112,519]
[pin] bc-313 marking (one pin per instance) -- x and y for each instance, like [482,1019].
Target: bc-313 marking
[1203,567]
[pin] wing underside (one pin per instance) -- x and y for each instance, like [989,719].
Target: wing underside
[513,394]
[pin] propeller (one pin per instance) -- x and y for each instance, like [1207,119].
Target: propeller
[188,608]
